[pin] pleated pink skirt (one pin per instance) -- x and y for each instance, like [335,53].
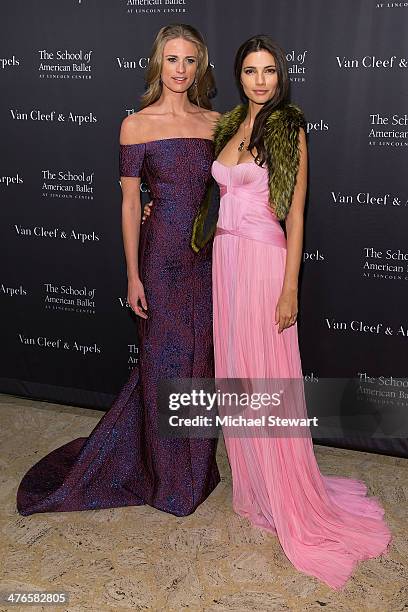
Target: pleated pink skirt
[325,524]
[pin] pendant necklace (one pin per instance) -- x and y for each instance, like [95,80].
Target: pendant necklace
[241,144]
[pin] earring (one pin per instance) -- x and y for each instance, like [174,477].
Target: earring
[196,94]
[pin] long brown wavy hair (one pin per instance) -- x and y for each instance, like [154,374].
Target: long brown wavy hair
[198,93]
[279,99]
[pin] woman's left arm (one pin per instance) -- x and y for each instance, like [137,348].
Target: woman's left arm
[287,307]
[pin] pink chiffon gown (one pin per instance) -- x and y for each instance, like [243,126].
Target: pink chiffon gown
[325,524]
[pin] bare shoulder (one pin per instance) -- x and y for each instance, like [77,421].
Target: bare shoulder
[212,116]
[133,128]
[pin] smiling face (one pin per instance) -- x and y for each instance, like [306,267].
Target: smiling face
[259,76]
[179,64]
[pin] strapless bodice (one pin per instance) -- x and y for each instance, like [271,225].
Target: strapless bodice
[244,207]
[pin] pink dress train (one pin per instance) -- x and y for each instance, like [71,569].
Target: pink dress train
[325,524]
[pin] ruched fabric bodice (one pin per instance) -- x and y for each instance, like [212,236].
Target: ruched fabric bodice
[244,207]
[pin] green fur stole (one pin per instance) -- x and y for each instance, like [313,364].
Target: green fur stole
[282,157]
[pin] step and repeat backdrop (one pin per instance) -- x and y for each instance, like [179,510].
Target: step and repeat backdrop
[70,71]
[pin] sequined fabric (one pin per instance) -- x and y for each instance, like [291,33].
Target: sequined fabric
[124,461]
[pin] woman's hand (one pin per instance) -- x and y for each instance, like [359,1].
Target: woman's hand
[147,211]
[286,310]
[136,298]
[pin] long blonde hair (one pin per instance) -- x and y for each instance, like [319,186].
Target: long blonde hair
[204,83]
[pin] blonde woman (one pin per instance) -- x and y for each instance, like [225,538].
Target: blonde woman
[124,461]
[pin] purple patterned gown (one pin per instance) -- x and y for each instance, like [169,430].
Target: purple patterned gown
[124,461]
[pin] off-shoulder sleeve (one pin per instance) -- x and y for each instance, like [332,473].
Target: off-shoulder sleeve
[131,159]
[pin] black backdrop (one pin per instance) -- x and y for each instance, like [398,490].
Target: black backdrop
[71,70]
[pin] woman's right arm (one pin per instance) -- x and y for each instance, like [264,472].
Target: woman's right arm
[131,217]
